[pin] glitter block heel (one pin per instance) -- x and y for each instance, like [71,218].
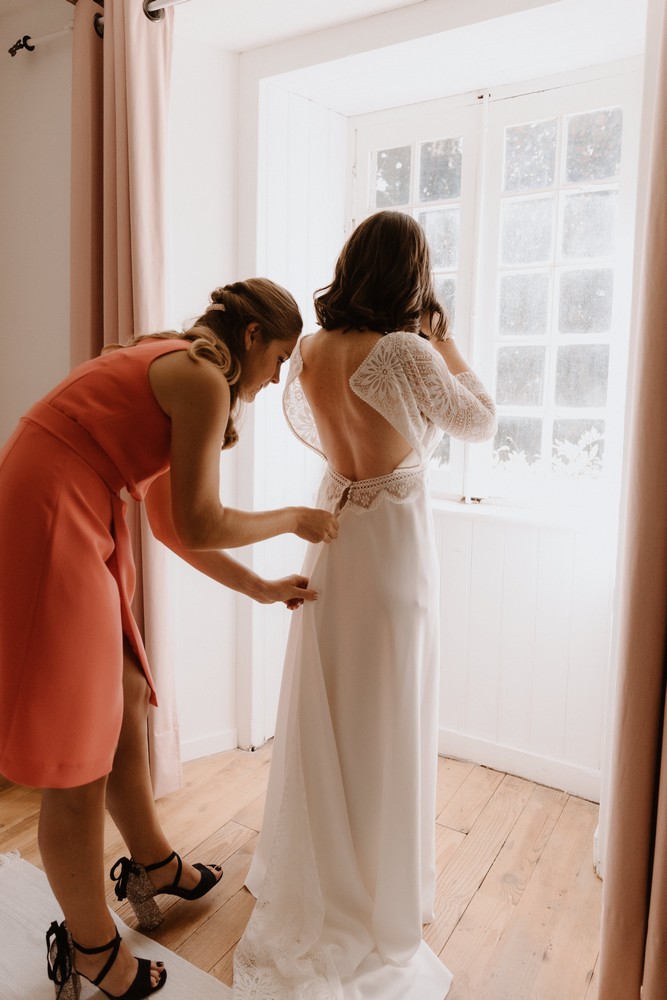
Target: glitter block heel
[133,884]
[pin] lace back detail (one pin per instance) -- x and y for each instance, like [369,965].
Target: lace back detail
[296,407]
[401,486]
[408,383]
[405,379]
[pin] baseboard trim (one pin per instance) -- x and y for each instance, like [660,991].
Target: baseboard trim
[204,746]
[579,781]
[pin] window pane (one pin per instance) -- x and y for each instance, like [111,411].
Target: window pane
[518,441]
[392,177]
[520,376]
[581,375]
[594,145]
[440,456]
[585,301]
[440,169]
[578,447]
[589,224]
[526,230]
[442,232]
[530,156]
[524,300]
[445,292]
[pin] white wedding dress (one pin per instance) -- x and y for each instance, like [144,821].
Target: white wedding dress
[344,872]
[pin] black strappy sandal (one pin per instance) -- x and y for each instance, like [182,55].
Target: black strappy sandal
[133,884]
[60,967]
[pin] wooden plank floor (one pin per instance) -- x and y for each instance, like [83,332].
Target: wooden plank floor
[518,903]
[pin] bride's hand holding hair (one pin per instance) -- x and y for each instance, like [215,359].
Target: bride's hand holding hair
[444,344]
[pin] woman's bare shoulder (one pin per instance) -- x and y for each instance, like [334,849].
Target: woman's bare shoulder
[338,346]
[178,377]
[311,343]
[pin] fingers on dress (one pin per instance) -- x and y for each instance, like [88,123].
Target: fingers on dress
[344,872]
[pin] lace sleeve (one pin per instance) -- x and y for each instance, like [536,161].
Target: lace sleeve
[296,407]
[407,381]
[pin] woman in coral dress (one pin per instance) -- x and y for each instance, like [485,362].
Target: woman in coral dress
[344,872]
[75,685]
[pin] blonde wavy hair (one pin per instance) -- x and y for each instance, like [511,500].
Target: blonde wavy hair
[218,334]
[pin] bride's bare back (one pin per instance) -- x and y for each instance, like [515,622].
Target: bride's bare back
[358,442]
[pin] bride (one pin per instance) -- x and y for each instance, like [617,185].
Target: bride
[344,873]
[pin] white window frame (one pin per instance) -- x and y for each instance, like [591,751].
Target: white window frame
[481,119]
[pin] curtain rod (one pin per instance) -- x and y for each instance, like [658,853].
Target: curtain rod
[153,9]
[150,6]
[28,42]
[155,5]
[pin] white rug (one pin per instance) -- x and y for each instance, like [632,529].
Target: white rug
[27,907]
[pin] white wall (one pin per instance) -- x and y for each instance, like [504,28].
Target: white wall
[300,229]
[34,208]
[525,609]
[203,153]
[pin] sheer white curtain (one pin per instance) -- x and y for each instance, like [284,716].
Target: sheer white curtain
[119,262]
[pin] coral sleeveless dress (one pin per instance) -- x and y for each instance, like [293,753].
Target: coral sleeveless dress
[66,570]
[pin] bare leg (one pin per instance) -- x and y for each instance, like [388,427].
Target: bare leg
[129,790]
[71,839]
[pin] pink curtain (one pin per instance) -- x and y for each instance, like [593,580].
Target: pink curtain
[633,957]
[119,262]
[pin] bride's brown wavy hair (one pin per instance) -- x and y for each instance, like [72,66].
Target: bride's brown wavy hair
[218,334]
[383,280]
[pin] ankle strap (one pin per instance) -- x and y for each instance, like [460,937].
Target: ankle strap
[125,867]
[161,864]
[114,945]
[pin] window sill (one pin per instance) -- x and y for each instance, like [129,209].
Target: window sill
[588,514]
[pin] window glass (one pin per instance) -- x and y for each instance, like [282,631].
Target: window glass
[594,145]
[578,447]
[520,376]
[523,304]
[445,291]
[530,156]
[392,177]
[585,300]
[441,455]
[440,169]
[581,375]
[518,442]
[442,232]
[527,230]
[589,222]
[559,373]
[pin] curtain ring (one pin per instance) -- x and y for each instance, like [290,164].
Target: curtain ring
[153,15]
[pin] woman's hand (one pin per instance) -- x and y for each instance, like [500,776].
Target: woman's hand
[315,525]
[291,590]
